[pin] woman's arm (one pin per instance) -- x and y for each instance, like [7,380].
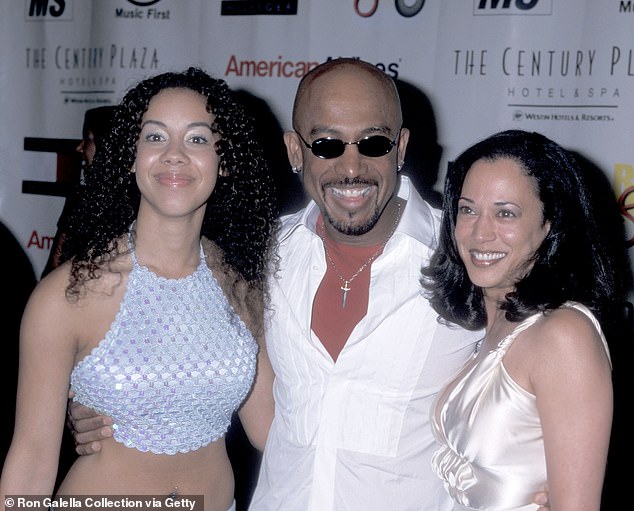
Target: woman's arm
[571,377]
[47,350]
[256,414]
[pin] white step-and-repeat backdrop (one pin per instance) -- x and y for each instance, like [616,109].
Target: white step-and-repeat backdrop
[465,68]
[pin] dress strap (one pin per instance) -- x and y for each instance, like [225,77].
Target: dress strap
[135,263]
[523,325]
[202,262]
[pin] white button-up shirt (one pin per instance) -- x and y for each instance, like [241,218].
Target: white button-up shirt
[354,434]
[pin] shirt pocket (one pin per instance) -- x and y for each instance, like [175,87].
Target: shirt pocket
[373,419]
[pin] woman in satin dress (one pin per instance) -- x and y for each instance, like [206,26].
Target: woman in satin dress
[522,256]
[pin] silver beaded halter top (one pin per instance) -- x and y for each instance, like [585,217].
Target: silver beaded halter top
[175,364]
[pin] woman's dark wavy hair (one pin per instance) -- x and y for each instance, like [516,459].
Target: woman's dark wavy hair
[572,262]
[241,213]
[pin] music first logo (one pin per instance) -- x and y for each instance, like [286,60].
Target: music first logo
[62,10]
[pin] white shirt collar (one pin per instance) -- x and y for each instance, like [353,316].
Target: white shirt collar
[417,220]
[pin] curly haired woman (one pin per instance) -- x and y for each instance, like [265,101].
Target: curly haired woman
[156,317]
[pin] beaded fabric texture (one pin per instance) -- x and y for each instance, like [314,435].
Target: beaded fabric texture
[174,366]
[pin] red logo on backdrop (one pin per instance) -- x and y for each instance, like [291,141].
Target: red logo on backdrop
[407,9]
[627,207]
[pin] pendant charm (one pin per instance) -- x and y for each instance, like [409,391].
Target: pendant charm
[345,288]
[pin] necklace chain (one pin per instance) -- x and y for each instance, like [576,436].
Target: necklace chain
[346,282]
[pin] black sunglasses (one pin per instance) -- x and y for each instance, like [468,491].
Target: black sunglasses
[372,146]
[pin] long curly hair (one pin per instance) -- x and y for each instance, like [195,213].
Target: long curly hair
[240,216]
[572,263]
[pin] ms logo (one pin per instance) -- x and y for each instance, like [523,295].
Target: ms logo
[49,9]
[497,7]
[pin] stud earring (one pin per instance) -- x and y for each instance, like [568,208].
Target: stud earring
[296,170]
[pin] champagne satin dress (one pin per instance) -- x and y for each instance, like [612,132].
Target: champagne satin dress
[492,456]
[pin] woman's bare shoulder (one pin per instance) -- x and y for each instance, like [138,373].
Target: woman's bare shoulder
[567,341]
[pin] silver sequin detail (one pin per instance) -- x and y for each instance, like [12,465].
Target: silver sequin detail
[175,364]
